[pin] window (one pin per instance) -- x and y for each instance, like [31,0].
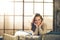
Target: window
[18,22]
[12,13]
[48,9]
[28,8]
[9,22]
[38,8]
[19,8]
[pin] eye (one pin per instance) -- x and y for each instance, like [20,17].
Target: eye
[35,20]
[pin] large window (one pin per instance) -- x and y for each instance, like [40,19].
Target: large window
[18,14]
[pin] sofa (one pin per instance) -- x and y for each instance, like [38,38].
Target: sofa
[50,36]
[11,37]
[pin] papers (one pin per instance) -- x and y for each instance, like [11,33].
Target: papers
[22,33]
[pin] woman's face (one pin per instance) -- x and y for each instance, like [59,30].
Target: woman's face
[38,20]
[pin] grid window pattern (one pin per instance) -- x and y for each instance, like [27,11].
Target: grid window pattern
[18,14]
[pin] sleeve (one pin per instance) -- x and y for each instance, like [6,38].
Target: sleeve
[44,30]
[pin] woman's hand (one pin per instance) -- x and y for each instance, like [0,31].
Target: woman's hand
[41,23]
[38,25]
[35,24]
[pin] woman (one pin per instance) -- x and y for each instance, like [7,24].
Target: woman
[38,27]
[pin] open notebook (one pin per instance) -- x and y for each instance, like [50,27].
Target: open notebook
[22,33]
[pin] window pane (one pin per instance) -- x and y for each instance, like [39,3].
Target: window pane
[1,32]
[38,0]
[18,0]
[18,8]
[1,7]
[9,32]
[48,8]
[28,30]
[28,8]
[9,22]
[27,22]
[38,8]
[18,22]
[49,21]
[48,0]
[1,22]
[8,7]
[28,0]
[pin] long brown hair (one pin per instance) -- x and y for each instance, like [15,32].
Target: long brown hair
[37,14]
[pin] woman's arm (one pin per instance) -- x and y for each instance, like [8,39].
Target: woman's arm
[44,30]
[33,27]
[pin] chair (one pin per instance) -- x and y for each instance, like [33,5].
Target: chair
[10,37]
